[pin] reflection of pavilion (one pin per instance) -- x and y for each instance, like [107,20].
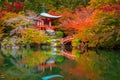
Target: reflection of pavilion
[44,20]
[43,60]
[49,64]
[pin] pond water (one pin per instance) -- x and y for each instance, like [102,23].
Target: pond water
[34,64]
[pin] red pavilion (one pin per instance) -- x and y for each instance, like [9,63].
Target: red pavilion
[44,21]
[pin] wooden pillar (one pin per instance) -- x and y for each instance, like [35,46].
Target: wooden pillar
[49,23]
[42,23]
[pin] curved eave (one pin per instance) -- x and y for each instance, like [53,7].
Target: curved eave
[49,15]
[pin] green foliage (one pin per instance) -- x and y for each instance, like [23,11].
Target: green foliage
[60,59]
[76,42]
[36,5]
[53,4]
[103,3]
[59,34]
[1,4]
[77,53]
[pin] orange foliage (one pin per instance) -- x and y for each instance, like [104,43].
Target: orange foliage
[36,41]
[53,13]
[79,19]
[2,12]
[36,53]
[66,16]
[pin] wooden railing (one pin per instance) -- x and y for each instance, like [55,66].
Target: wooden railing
[44,27]
[67,39]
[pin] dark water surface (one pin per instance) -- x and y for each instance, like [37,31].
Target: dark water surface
[33,64]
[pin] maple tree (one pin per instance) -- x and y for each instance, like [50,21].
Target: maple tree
[77,21]
[15,5]
[98,26]
[106,29]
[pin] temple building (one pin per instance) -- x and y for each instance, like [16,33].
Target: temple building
[43,21]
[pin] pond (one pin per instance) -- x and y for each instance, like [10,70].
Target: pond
[58,64]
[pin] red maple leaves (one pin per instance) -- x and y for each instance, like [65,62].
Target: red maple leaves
[79,20]
[109,8]
[15,6]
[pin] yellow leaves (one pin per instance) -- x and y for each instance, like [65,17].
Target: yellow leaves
[33,36]
[2,26]
[99,15]
[95,3]
[9,15]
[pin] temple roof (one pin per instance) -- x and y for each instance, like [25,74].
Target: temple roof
[44,14]
[48,15]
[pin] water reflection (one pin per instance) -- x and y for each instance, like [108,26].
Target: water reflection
[33,64]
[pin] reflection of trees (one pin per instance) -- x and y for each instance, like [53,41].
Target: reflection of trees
[87,65]
[27,62]
[11,59]
[27,57]
[102,66]
[35,58]
[97,67]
